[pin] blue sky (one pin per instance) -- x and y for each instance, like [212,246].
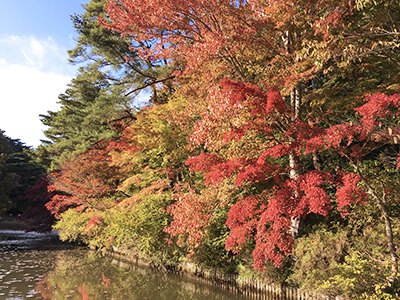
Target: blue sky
[34,38]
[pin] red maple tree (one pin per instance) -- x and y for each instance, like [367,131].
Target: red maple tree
[37,216]
[84,183]
[237,112]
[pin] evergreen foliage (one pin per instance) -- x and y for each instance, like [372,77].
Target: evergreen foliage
[18,171]
[88,107]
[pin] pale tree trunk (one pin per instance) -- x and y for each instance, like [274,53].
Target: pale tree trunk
[295,102]
[381,201]
[295,222]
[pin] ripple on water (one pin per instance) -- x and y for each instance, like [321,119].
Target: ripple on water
[25,260]
[34,267]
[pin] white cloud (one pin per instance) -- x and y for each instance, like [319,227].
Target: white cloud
[32,74]
[41,54]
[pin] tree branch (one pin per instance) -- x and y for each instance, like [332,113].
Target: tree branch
[149,84]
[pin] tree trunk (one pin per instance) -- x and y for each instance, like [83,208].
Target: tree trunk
[316,161]
[295,102]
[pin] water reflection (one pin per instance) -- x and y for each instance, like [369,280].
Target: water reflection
[39,267]
[25,259]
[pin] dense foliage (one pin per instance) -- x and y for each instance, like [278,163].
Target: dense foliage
[269,145]
[18,171]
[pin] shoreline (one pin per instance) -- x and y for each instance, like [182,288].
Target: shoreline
[12,223]
[253,288]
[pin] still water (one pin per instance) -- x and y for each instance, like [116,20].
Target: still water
[37,266]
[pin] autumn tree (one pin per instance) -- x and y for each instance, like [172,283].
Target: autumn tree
[121,193]
[258,97]
[238,114]
[374,136]
[153,146]
[36,215]
[150,154]
[87,182]
[264,43]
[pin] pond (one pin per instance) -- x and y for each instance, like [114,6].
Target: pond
[38,266]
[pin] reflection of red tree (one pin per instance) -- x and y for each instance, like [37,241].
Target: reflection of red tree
[106,281]
[46,290]
[85,295]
